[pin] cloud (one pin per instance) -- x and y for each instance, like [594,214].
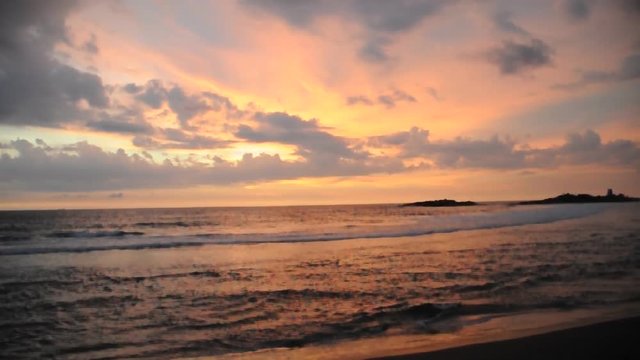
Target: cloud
[117,195]
[91,45]
[120,127]
[185,106]
[37,89]
[76,167]
[580,10]
[397,96]
[218,102]
[577,9]
[411,143]
[373,50]
[82,167]
[178,139]
[376,15]
[516,57]
[433,92]
[629,6]
[359,99]
[629,69]
[298,13]
[133,88]
[388,100]
[457,153]
[311,140]
[394,16]
[154,94]
[380,20]
[497,153]
[503,22]
[588,148]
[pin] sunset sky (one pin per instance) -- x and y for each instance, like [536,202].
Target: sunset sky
[273,102]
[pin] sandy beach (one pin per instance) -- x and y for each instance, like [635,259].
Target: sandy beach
[558,333]
[616,339]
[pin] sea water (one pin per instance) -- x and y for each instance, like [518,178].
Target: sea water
[166,283]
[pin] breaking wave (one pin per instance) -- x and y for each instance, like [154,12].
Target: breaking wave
[178,233]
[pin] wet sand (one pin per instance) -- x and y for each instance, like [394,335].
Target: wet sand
[616,339]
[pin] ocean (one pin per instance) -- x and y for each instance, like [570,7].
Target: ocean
[206,282]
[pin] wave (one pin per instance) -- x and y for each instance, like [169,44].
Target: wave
[90,248]
[424,225]
[165,224]
[425,317]
[92,234]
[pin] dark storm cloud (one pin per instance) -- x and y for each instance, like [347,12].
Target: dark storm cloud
[516,57]
[36,89]
[381,19]
[389,100]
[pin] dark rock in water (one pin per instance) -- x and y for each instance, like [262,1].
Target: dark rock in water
[441,203]
[582,199]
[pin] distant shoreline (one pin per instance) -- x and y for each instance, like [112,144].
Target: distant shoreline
[581,199]
[441,203]
[567,198]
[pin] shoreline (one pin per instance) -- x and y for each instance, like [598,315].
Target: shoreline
[613,339]
[510,336]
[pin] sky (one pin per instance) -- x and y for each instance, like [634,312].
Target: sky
[149,103]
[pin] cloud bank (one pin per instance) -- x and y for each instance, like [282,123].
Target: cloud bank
[85,167]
